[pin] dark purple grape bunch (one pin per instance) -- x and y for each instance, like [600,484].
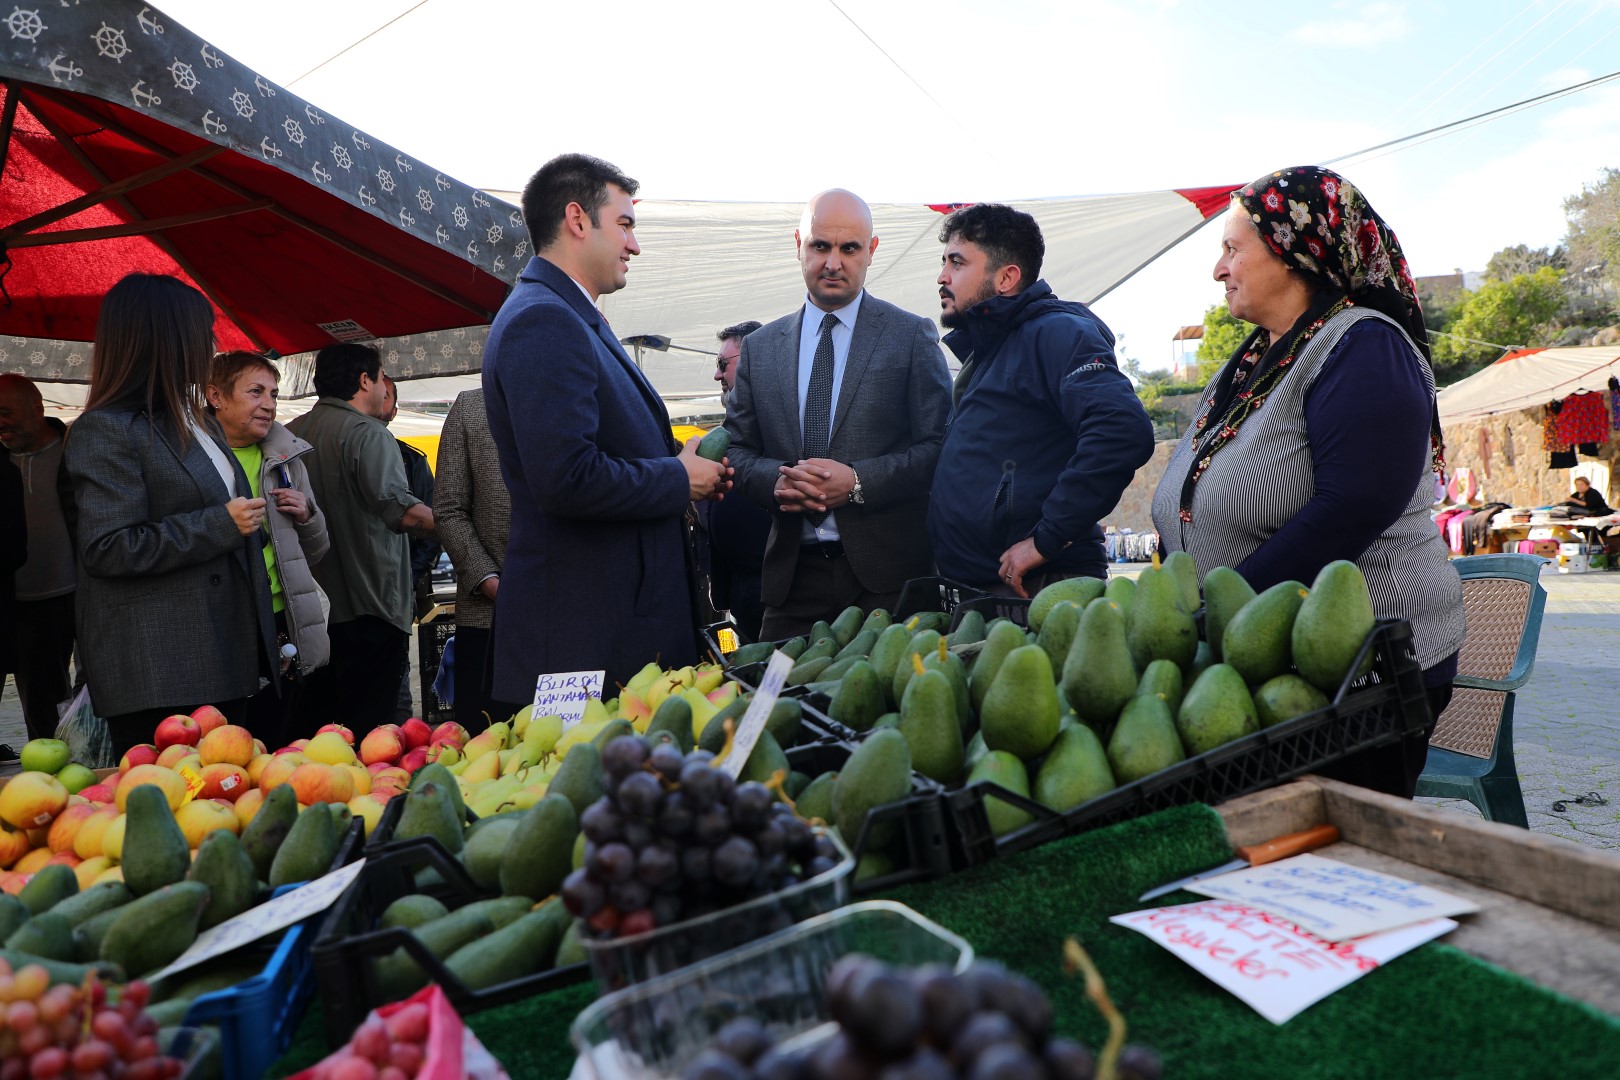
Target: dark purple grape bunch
[675,838]
[925,1023]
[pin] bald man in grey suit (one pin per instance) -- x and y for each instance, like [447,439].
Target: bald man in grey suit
[836,421]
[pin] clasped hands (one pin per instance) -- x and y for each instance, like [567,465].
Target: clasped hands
[813,484]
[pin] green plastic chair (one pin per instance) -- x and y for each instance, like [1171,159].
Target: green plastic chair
[1471,750]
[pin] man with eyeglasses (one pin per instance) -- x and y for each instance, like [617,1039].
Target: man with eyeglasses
[836,421]
[734,531]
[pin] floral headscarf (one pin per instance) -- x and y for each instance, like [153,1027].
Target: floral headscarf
[1320,225]
[1317,222]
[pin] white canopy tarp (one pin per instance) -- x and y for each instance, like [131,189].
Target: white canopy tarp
[1527,380]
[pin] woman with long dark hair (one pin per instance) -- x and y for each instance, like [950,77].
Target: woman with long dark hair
[173,601]
[1319,439]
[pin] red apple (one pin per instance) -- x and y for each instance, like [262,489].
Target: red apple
[414,759]
[208,718]
[384,743]
[289,750]
[139,754]
[99,793]
[450,731]
[228,744]
[174,755]
[177,730]
[259,747]
[378,766]
[415,732]
[348,736]
[224,781]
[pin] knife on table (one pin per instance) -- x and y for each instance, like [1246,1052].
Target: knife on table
[1280,847]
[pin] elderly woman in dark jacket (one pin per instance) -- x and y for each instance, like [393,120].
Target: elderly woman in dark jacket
[173,600]
[1340,462]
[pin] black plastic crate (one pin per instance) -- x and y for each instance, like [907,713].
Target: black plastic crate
[924,849]
[349,940]
[1015,608]
[430,639]
[1380,708]
[715,639]
[932,594]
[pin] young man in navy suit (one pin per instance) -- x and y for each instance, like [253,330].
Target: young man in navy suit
[595,573]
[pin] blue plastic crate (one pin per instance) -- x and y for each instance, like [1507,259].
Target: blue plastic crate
[258,1017]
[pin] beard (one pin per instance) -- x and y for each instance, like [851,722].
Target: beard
[725,398]
[958,316]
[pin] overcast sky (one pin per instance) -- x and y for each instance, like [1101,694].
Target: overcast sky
[950,101]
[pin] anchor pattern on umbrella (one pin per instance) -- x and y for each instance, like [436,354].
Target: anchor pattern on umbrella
[129,54]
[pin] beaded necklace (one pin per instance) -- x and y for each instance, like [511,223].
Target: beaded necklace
[1244,404]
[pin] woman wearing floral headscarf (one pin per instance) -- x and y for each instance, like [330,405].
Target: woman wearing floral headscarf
[1319,439]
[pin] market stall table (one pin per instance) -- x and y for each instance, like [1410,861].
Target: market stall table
[1537,970]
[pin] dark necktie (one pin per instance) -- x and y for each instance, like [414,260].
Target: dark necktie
[818,403]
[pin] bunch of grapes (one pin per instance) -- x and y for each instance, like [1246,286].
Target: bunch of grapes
[74,1031]
[391,1048]
[925,1023]
[675,838]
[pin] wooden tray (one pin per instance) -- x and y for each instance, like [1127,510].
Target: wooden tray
[1549,908]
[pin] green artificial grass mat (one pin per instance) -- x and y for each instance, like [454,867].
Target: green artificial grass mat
[1434,1012]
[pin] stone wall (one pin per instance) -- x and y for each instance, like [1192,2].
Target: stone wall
[1135,509]
[1512,467]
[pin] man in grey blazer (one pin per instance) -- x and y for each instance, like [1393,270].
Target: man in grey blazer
[474,514]
[836,421]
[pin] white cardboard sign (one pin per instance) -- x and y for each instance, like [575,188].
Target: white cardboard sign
[1331,899]
[759,710]
[565,693]
[267,918]
[1270,964]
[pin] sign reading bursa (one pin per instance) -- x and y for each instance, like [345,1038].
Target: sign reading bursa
[565,693]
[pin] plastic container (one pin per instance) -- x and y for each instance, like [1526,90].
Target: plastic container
[923,850]
[656,1029]
[430,639]
[992,608]
[191,1047]
[620,962]
[932,594]
[258,1017]
[1380,708]
[349,940]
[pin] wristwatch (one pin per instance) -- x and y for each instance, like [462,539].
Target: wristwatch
[856,495]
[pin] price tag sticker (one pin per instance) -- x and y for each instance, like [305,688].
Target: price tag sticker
[759,710]
[564,694]
[727,637]
[194,784]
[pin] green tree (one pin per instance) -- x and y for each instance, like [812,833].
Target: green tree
[1500,315]
[1593,241]
[1510,262]
[1222,335]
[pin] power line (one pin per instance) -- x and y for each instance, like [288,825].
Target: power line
[1455,64]
[1488,60]
[362,41]
[1479,117]
[901,70]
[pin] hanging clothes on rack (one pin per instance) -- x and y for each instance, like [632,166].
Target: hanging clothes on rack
[1614,401]
[1583,419]
[1549,426]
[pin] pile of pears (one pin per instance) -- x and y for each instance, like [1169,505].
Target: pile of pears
[1111,683]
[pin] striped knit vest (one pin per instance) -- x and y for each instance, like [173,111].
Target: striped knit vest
[1258,482]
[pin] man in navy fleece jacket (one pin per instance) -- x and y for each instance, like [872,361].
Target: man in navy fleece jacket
[1045,430]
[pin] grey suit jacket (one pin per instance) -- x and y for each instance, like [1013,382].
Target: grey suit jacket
[173,603]
[888,424]
[471,505]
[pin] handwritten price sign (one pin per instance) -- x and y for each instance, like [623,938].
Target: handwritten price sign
[1333,899]
[565,693]
[1273,965]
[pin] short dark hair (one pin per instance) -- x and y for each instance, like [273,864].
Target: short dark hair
[338,368]
[1004,234]
[568,178]
[741,330]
